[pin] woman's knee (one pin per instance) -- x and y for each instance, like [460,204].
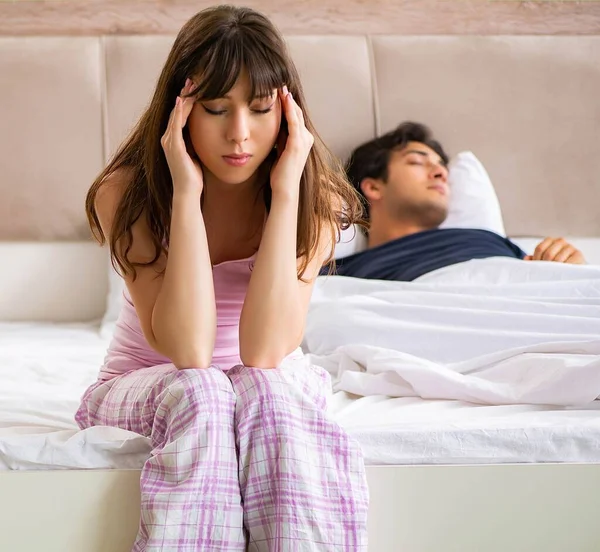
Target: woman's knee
[193,400]
[279,398]
[300,383]
[199,386]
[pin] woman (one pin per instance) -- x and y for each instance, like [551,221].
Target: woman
[220,211]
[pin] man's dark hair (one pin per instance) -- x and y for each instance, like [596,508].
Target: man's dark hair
[371,159]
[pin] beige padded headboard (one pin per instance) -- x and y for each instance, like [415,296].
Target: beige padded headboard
[528,107]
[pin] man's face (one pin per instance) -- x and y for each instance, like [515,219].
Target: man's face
[417,186]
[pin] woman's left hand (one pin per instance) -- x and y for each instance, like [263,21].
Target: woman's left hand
[292,149]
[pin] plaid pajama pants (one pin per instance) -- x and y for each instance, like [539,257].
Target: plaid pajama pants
[241,460]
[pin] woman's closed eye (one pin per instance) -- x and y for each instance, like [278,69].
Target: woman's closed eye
[263,110]
[213,111]
[257,110]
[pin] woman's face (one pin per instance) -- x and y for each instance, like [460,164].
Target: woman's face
[233,135]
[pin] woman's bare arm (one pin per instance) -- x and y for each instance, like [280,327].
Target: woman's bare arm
[274,313]
[176,308]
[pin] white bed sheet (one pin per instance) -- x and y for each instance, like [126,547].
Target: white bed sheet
[44,369]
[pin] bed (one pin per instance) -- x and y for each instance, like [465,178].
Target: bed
[444,474]
[431,463]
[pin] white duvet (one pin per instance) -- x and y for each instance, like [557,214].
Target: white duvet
[493,331]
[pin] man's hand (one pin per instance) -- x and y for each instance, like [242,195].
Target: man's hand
[557,250]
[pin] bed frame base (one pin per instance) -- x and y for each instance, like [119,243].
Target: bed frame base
[487,508]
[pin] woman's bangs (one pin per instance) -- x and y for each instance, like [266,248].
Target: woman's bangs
[264,72]
[226,60]
[220,69]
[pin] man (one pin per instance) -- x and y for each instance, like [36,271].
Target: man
[403,179]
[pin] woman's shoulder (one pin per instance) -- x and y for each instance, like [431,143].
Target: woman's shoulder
[114,185]
[109,194]
[104,197]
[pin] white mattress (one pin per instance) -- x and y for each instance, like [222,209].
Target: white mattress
[45,368]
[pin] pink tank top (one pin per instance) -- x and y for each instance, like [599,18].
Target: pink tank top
[129,349]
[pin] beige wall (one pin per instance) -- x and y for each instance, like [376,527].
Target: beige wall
[406,17]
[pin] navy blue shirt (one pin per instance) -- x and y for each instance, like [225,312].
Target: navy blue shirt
[407,258]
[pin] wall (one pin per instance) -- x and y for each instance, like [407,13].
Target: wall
[408,17]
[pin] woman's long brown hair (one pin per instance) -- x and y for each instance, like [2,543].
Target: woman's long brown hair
[216,44]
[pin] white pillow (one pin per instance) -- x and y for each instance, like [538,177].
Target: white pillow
[473,200]
[352,240]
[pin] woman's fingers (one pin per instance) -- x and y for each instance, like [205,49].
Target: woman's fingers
[298,111]
[187,101]
[293,110]
[295,118]
[177,116]
[166,137]
[181,112]
[288,109]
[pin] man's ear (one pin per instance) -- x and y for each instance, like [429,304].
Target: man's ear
[372,188]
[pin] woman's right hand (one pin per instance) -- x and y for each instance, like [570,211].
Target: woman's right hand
[186,171]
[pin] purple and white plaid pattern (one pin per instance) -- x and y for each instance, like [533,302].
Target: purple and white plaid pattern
[242,460]
[189,485]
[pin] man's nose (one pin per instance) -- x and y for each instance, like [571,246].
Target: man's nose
[440,173]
